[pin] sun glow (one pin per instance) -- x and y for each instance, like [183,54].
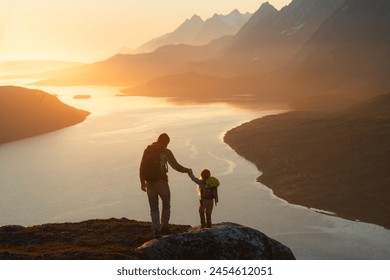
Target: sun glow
[90,30]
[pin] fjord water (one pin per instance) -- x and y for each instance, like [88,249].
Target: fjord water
[90,171]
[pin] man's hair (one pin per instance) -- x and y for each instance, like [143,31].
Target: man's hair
[163,139]
[205,174]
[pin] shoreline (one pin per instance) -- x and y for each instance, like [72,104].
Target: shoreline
[332,162]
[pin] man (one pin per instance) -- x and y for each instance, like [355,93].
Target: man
[154,180]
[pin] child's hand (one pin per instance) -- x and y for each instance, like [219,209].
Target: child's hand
[190,172]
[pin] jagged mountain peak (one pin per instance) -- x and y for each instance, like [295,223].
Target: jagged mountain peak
[265,9]
[255,22]
[215,15]
[289,20]
[196,31]
[266,5]
[196,18]
[235,12]
[235,17]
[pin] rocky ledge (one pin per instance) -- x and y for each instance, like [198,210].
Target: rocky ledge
[129,239]
[225,241]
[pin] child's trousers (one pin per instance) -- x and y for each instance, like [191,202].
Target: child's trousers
[205,207]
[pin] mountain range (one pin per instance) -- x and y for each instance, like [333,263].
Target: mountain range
[129,69]
[310,47]
[196,31]
[271,37]
[349,52]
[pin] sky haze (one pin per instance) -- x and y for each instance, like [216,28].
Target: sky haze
[91,30]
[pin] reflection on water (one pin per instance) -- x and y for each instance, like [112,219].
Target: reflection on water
[90,170]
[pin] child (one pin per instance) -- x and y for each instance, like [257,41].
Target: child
[207,192]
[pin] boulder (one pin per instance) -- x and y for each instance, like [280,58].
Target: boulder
[224,241]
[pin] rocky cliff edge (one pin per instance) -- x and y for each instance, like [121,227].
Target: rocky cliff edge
[129,239]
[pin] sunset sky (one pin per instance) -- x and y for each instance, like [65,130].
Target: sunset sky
[91,30]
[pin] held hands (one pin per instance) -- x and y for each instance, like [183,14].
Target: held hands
[189,172]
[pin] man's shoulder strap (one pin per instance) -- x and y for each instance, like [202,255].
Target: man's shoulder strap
[154,147]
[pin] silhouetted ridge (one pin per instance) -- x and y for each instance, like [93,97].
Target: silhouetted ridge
[350,51]
[195,31]
[286,30]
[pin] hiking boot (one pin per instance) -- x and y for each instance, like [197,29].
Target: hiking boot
[165,231]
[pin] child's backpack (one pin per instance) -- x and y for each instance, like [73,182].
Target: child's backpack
[209,192]
[212,182]
[151,164]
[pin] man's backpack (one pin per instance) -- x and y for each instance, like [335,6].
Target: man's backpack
[151,164]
